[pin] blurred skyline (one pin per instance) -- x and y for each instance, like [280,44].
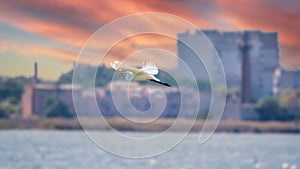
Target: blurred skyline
[53,32]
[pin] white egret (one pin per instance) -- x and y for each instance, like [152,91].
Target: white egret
[147,72]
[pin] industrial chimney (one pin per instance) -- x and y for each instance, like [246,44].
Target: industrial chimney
[35,76]
[246,70]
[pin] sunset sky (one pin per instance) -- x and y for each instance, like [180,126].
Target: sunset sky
[53,32]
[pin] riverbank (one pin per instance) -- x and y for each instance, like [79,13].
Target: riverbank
[156,126]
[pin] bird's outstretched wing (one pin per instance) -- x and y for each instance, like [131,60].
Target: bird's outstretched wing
[147,72]
[119,66]
[149,68]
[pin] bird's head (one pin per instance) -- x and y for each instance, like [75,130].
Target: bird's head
[116,65]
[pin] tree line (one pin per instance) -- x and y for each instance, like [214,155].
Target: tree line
[284,107]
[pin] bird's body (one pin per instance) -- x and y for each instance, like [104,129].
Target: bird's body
[147,72]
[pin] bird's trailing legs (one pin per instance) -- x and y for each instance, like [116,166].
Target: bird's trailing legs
[166,84]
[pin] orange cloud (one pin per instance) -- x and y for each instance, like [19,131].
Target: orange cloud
[69,56]
[132,45]
[268,16]
[38,51]
[72,22]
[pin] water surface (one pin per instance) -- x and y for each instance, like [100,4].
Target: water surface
[73,150]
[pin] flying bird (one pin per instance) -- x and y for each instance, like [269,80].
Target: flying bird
[147,72]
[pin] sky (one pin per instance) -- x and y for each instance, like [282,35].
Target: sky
[52,33]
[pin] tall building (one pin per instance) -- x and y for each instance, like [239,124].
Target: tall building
[249,58]
[227,47]
[264,60]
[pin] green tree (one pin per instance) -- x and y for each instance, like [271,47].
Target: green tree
[103,75]
[8,107]
[269,109]
[66,78]
[12,88]
[290,99]
[56,108]
[3,113]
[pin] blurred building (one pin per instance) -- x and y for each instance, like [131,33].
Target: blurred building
[226,45]
[143,98]
[35,97]
[249,58]
[288,79]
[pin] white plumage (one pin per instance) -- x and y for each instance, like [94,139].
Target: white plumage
[147,72]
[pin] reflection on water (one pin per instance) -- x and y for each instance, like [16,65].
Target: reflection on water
[73,149]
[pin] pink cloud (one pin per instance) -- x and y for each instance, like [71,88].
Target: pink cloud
[268,16]
[72,22]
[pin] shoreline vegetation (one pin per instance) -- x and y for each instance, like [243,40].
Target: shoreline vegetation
[158,125]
